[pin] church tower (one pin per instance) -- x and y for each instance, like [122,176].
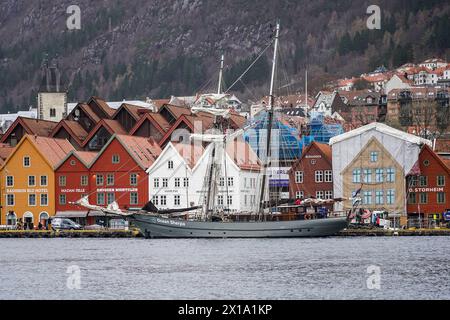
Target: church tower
[52,95]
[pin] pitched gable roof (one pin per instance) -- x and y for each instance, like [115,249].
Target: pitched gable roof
[156,119]
[86,157]
[445,163]
[73,128]
[103,106]
[144,151]
[133,110]
[112,126]
[190,152]
[243,155]
[51,149]
[32,126]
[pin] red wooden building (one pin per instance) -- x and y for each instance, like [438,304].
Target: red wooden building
[311,175]
[118,171]
[72,183]
[429,188]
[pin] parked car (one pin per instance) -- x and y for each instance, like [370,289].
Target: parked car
[65,224]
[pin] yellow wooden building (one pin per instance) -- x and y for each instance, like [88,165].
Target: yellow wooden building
[28,180]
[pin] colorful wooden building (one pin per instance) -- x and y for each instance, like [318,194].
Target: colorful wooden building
[428,188]
[28,179]
[311,175]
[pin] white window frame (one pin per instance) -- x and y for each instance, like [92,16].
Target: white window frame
[12,184]
[299,175]
[29,162]
[40,200]
[8,197]
[46,181]
[318,176]
[328,175]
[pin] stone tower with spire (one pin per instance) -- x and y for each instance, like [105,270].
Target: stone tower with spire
[52,95]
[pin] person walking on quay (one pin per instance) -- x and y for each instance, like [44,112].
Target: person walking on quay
[40,226]
[19,224]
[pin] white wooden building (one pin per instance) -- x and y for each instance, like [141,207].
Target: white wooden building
[178,178]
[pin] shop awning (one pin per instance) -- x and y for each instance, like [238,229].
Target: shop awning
[71,214]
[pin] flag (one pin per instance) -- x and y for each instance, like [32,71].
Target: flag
[415,170]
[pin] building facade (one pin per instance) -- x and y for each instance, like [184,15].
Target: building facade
[373,161]
[429,189]
[178,179]
[28,180]
[312,175]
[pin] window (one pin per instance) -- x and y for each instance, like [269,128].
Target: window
[155,200]
[84,180]
[62,181]
[177,182]
[390,175]
[115,159]
[163,200]
[390,196]
[222,182]
[26,162]
[441,197]
[245,199]
[99,179]
[176,200]
[379,175]
[367,175]
[100,198]
[185,182]
[328,176]
[156,183]
[73,162]
[110,198]
[423,197]
[299,195]
[31,199]
[133,179]
[329,194]
[298,176]
[10,200]
[230,181]
[44,199]
[440,181]
[134,198]
[52,112]
[165,182]
[412,198]
[170,164]
[110,179]
[367,197]
[379,197]
[220,200]
[423,181]
[230,200]
[44,181]
[319,176]
[412,181]
[356,175]
[374,156]
[319,194]
[9,181]
[62,199]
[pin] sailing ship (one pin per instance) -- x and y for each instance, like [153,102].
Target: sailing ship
[272,219]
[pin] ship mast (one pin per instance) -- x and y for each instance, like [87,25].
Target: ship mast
[219,89]
[269,125]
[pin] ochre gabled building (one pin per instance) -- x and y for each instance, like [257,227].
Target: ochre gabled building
[28,179]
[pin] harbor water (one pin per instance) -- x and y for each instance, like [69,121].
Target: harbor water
[319,268]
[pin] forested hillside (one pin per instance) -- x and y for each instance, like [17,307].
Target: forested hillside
[140,48]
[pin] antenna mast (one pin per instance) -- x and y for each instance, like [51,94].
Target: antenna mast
[269,126]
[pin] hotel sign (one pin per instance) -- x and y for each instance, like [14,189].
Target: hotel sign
[26,190]
[435,189]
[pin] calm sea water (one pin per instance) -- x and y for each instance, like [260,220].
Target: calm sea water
[324,268]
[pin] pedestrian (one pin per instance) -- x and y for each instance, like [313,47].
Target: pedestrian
[40,225]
